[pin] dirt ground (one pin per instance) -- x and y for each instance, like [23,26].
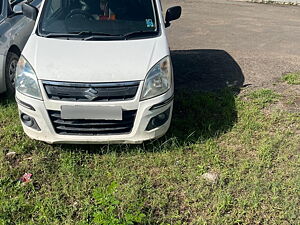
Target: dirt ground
[220,43]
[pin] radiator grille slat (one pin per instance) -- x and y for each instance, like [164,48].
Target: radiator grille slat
[85,123]
[92,127]
[94,92]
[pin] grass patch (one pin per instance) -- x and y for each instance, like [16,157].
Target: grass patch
[254,153]
[292,78]
[263,97]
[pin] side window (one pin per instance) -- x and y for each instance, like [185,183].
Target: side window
[14,2]
[10,7]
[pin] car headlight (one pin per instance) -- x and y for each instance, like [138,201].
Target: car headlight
[26,81]
[158,79]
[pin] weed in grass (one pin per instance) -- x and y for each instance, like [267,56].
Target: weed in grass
[106,208]
[292,78]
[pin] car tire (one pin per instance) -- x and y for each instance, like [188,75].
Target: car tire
[10,70]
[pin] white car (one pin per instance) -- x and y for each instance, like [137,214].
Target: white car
[15,30]
[96,71]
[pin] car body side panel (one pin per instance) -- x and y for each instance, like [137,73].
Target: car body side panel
[3,40]
[21,28]
[14,31]
[4,46]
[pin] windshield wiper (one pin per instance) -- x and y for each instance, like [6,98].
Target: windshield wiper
[140,33]
[90,35]
[50,35]
[85,35]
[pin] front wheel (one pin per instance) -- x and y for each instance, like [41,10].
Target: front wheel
[10,72]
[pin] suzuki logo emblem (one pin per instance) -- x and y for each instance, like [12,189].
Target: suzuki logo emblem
[91,94]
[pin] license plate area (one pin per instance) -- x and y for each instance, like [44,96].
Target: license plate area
[76,112]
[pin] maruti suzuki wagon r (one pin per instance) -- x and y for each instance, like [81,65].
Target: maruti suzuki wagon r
[96,71]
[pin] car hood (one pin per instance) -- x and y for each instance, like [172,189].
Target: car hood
[94,61]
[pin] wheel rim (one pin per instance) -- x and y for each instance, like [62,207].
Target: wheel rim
[12,71]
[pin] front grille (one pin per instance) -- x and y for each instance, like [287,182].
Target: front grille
[84,92]
[92,127]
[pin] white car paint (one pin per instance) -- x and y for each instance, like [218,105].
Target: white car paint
[81,61]
[122,61]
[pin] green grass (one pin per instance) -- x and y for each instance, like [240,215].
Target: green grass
[253,149]
[292,78]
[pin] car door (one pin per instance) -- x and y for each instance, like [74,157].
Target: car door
[4,41]
[4,29]
[21,27]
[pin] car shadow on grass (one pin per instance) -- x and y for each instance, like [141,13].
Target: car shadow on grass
[205,70]
[6,100]
[206,82]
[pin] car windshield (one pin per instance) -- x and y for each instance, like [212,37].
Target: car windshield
[97,17]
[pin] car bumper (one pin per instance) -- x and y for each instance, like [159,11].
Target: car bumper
[138,134]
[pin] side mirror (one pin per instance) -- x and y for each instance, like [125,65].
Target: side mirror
[30,11]
[173,13]
[18,9]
